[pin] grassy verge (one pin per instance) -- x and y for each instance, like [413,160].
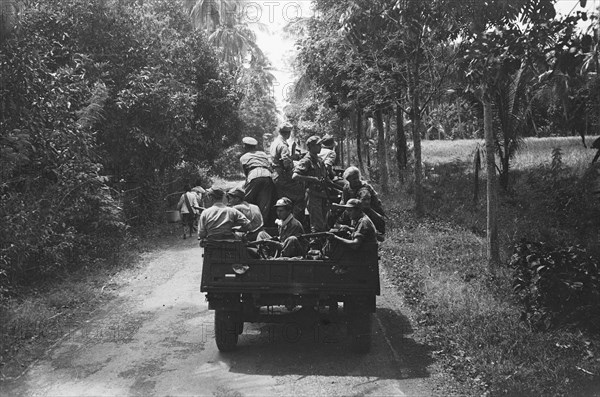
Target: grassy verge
[35,316]
[468,311]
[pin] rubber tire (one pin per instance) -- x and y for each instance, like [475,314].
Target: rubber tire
[226,330]
[360,331]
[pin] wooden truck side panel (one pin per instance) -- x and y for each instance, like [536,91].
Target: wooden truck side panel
[355,272]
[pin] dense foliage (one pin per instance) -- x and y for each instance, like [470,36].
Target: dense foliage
[105,107]
[557,286]
[422,68]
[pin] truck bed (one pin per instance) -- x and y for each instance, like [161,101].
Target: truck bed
[354,272]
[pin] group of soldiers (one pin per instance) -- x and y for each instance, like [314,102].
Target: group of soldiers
[283,187]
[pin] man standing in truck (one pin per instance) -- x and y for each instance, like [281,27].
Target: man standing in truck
[327,154]
[311,171]
[259,187]
[282,156]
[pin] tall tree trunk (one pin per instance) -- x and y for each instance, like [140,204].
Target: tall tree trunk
[351,128]
[339,148]
[359,139]
[388,141]
[416,133]
[9,16]
[401,147]
[348,151]
[493,247]
[367,145]
[381,152]
[504,175]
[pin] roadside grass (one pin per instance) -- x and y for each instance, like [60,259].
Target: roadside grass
[468,311]
[39,314]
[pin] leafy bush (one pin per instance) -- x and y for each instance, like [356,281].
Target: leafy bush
[228,164]
[104,108]
[557,286]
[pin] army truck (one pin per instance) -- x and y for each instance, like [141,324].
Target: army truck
[241,285]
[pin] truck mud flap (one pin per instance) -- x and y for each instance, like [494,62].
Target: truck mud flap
[364,304]
[229,302]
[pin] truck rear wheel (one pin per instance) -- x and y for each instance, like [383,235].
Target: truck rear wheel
[360,331]
[226,329]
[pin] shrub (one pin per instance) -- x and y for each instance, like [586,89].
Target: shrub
[228,164]
[556,286]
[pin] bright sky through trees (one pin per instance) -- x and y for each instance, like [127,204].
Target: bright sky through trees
[280,50]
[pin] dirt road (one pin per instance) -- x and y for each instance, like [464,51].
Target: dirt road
[156,338]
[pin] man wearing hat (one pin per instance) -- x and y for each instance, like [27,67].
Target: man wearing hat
[235,199]
[217,221]
[188,207]
[259,187]
[311,170]
[365,198]
[327,154]
[362,230]
[289,229]
[282,156]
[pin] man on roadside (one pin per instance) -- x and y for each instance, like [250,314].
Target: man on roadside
[188,208]
[311,171]
[235,199]
[217,221]
[259,187]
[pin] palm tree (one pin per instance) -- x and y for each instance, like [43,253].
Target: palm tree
[222,20]
[512,105]
[237,44]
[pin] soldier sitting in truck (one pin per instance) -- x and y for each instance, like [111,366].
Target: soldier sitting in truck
[354,183]
[365,198]
[289,228]
[362,230]
[217,221]
[235,199]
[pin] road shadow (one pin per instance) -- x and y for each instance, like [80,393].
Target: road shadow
[309,346]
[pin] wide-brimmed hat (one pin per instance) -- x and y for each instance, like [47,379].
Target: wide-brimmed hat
[249,141]
[351,203]
[284,202]
[236,192]
[313,140]
[328,140]
[286,127]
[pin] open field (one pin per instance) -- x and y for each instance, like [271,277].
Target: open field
[535,151]
[469,311]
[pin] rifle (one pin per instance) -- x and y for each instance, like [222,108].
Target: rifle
[326,182]
[258,242]
[320,234]
[314,235]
